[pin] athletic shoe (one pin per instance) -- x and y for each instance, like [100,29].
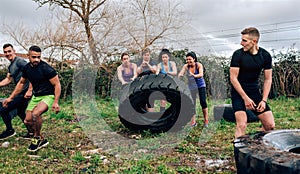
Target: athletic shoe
[193,124]
[27,136]
[7,133]
[205,124]
[37,143]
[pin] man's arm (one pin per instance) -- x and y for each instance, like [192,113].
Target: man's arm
[28,93]
[57,90]
[267,84]
[266,90]
[234,71]
[8,79]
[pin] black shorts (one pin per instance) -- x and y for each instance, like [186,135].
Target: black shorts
[238,103]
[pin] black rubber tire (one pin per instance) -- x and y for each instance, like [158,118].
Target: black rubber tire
[254,156]
[147,72]
[132,112]
[225,111]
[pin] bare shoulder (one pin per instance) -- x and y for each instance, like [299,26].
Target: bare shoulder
[119,67]
[134,64]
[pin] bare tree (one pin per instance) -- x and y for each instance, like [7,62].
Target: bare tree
[84,9]
[148,21]
[59,39]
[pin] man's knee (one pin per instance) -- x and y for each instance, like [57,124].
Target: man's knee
[267,120]
[269,126]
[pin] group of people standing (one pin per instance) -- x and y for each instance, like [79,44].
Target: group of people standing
[128,71]
[246,66]
[37,89]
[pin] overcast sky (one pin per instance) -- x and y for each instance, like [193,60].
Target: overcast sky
[218,21]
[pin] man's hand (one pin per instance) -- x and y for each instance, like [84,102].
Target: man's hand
[55,108]
[6,101]
[28,94]
[250,104]
[261,106]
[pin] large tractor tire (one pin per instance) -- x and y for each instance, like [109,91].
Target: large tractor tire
[275,152]
[226,112]
[132,108]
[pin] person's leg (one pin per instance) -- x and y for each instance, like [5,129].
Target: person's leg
[7,118]
[241,123]
[267,120]
[22,114]
[163,104]
[203,103]
[44,103]
[239,108]
[194,95]
[34,117]
[37,119]
[9,131]
[28,120]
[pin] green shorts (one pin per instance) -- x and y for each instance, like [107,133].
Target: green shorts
[48,99]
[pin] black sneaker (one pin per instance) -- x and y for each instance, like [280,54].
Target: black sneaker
[7,133]
[37,143]
[27,136]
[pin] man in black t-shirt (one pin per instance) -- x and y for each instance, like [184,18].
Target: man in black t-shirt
[46,93]
[246,65]
[21,101]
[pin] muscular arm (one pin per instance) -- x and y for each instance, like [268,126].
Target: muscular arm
[234,71]
[57,90]
[28,93]
[267,83]
[6,81]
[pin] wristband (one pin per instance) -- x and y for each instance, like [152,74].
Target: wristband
[264,101]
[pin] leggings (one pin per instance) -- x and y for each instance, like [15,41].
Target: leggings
[202,96]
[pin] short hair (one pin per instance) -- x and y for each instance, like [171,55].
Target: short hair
[124,54]
[7,45]
[146,50]
[35,49]
[252,31]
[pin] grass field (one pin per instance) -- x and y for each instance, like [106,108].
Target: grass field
[73,149]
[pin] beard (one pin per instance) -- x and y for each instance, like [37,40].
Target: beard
[35,63]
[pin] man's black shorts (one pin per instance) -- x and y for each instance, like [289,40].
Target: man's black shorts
[252,91]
